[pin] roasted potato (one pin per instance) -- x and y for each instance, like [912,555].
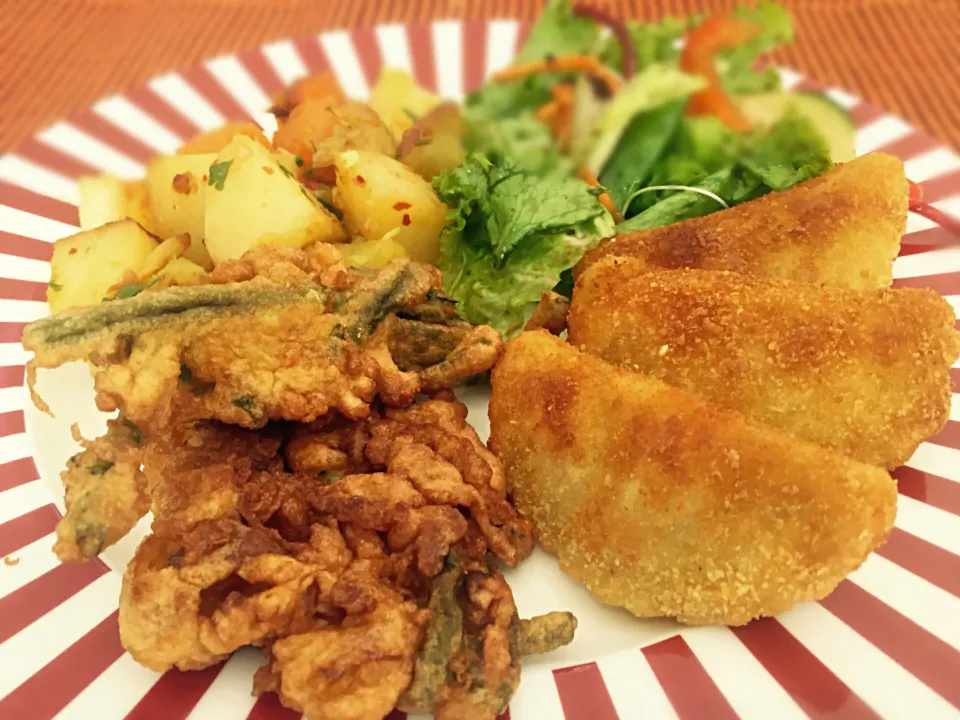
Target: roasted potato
[400,101]
[251,200]
[177,185]
[379,195]
[105,199]
[213,141]
[86,265]
[322,86]
[373,253]
[317,134]
[435,142]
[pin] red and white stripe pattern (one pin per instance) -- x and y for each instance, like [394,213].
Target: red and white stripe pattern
[885,644]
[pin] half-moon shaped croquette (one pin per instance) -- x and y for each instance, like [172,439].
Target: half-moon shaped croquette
[841,229]
[866,373]
[668,505]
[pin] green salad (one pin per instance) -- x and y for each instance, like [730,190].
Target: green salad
[602,127]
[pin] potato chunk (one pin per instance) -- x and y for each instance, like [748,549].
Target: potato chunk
[379,195]
[177,186]
[87,264]
[400,101]
[105,199]
[251,200]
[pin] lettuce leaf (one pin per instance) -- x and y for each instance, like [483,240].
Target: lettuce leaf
[558,32]
[523,141]
[654,42]
[735,65]
[654,86]
[511,236]
[791,152]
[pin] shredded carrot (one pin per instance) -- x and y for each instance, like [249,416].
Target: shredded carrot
[563,93]
[548,111]
[564,63]
[590,179]
[558,113]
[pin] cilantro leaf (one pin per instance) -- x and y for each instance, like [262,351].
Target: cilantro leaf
[511,237]
[218,174]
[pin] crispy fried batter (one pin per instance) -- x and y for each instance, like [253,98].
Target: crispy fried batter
[293,338]
[861,372]
[354,671]
[841,229]
[333,575]
[105,492]
[668,505]
[546,633]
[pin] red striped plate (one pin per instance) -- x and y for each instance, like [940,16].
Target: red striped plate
[885,644]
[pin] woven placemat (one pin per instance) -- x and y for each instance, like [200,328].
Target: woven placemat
[57,56]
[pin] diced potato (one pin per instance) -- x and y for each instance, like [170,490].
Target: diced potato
[373,253]
[435,142]
[255,202]
[312,121]
[396,97]
[322,86]
[105,199]
[177,186]
[213,141]
[317,133]
[180,272]
[379,195]
[86,265]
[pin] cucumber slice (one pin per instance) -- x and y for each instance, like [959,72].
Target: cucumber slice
[832,120]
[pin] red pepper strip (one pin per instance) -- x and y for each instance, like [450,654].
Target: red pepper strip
[699,58]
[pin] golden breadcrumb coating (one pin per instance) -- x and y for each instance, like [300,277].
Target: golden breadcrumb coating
[841,229]
[668,505]
[862,372]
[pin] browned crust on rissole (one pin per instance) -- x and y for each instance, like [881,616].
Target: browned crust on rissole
[841,229]
[863,372]
[668,505]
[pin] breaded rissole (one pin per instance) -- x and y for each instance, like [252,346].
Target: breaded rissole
[862,372]
[841,229]
[668,505]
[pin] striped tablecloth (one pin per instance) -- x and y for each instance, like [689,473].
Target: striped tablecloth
[57,56]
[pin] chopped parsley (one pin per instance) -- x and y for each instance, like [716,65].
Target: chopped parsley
[54,286]
[129,291]
[298,160]
[331,208]
[411,114]
[285,171]
[218,174]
